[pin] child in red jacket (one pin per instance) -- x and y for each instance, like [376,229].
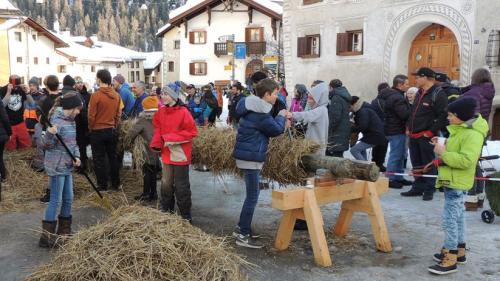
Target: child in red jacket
[174,130]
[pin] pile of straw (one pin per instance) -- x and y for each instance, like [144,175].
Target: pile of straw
[24,186]
[139,243]
[135,146]
[214,148]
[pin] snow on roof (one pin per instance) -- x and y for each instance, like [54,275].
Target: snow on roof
[101,51]
[166,26]
[6,5]
[275,7]
[153,59]
[10,23]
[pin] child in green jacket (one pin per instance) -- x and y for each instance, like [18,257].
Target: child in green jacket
[456,171]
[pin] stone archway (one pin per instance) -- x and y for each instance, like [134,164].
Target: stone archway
[254,66]
[410,22]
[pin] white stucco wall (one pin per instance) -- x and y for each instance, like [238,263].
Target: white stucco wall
[222,23]
[28,49]
[389,28]
[171,54]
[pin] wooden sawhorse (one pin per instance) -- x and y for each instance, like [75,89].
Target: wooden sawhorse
[304,203]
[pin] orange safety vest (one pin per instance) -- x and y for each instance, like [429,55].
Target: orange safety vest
[30,114]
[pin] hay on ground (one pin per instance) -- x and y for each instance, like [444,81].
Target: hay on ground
[24,186]
[139,243]
[214,148]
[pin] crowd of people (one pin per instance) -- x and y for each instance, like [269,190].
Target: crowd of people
[403,121]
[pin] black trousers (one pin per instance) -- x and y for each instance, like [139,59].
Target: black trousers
[3,171]
[378,154]
[83,156]
[175,185]
[421,154]
[103,143]
[149,180]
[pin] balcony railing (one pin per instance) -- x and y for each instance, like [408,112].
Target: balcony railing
[253,48]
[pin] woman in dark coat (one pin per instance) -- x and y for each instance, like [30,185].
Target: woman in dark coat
[339,131]
[482,90]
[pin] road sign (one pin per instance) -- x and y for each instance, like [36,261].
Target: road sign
[228,67]
[240,51]
[230,47]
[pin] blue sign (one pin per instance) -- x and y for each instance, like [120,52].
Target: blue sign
[240,51]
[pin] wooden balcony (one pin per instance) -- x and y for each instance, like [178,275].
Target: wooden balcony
[253,48]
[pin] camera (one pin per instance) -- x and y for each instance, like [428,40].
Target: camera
[16,81]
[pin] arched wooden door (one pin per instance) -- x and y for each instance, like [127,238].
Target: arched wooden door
[254,66]
[435,47]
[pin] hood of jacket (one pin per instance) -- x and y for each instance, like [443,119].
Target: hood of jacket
[320,94]
[358,105]
[478,124]
[148,114]
[343,93]
[59,114]
[487,90]
[108,92]
[254,104]
[125,87]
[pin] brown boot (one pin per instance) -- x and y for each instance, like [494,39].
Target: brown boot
[48,237]
[461,259]
[64,226]
[447,265]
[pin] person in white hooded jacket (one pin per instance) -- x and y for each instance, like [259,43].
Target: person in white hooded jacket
[316,118]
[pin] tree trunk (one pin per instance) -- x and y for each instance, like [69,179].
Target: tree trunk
[341,167]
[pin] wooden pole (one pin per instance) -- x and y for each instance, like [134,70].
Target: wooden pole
[342,168]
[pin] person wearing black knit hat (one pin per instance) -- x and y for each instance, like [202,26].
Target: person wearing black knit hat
[69,81]
[456,164]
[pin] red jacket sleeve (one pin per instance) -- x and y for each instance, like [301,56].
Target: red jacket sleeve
[187,130]
[156,141]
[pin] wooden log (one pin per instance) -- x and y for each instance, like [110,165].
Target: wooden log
[341,167]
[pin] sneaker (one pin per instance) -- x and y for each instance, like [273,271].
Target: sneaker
[237,232]
[406,182]
[248,242]
[447,265]
[412,193]
[395,184]
[428,196]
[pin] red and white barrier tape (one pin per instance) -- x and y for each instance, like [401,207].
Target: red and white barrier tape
[435,176]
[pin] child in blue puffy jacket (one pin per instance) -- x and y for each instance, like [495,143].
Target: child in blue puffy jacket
[256,126]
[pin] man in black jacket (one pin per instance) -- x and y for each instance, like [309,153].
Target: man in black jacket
[397,112]
[427,118]
[378,105]
[82,125]
[236,95]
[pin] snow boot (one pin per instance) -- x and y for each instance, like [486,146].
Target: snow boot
[461,259]
[447,265]
[64,226]
[48,237]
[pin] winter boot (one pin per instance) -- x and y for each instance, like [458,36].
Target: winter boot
[460,256]
[48,237]
[46,197]
[447,265]
[64,226]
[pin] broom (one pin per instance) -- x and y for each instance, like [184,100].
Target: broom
[101,200]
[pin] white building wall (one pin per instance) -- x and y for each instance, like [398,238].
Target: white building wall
[28,49]
[221,24]
[170,54]
[389,28]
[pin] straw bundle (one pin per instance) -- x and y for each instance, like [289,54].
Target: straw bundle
[214,148]
[24,186]
[139,243]
[135,146]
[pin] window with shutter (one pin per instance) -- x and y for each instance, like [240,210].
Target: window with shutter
[171,66]
[198,37]
[254,34]
[191,68]
[191,37]
[350,43]
[309,46]
[309,2]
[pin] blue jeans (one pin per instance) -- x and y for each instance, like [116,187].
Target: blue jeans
[397,155]
[359,150]
[252,186]
[61,191]
[453,218]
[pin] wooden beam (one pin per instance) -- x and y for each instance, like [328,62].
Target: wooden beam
[185,27]
[274,27]
[315,223]
[209,12]
[250,15]
[294,199]
[285,230]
